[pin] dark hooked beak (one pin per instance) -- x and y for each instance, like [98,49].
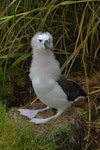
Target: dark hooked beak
[47,45]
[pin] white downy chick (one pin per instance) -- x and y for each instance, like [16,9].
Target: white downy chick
[50,86]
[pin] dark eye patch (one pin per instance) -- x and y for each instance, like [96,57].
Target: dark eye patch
[40,40]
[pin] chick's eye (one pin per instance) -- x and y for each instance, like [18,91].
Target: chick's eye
[40,40]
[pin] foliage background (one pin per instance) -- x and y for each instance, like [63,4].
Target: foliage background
[75,26]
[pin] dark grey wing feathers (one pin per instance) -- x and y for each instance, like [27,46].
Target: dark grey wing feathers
[71,88]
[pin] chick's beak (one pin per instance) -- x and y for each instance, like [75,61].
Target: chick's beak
[47,44]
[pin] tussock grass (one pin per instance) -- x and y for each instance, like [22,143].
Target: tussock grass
[74,25]
[71,22]
[20,134]
[17,136]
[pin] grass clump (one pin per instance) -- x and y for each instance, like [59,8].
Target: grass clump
[17,133]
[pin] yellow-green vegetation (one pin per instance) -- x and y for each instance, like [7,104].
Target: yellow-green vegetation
[17,136]
[75,26]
